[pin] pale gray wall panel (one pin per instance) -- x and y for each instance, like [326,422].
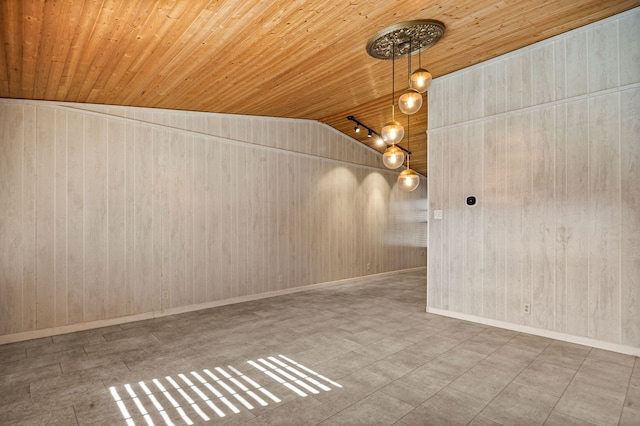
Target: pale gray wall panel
[556,175]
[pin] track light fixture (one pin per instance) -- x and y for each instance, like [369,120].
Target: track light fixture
[357,128]
[379,142]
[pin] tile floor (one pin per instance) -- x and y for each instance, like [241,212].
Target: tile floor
[363,353]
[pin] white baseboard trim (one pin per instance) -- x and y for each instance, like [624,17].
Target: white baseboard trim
[600,344]
[54,331]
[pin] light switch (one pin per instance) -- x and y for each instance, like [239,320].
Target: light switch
[437,214]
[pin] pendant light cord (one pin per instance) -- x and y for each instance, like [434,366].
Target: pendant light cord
[393,81]
[408,140]
[409,63]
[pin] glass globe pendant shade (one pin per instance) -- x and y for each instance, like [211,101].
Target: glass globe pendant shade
[410,101]
[392,132]
[393,157]
[420,80]
[408,180]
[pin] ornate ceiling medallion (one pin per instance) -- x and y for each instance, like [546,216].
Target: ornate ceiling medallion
[423,34]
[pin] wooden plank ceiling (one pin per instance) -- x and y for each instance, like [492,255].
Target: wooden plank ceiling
[303,58]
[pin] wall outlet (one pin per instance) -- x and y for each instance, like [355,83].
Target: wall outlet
[279,278]
[526,308]
[165,294]
[368,266]
[437,214]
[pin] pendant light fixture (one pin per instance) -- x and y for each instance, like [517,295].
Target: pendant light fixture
[420,79]
[410,101]
[408,179]
[393,132]
[402,39]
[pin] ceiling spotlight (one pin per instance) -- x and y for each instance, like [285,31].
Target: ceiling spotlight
[369,134]
[357,128]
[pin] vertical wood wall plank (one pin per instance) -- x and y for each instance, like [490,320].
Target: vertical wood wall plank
[45,208]
[116,295]
[603,56]
[472,170]
[630,219]
[604,214]
[12,122]
[544,221]
[96,272]
[61,220]
[75,209]
[629,49]
[576,218]
[490,218]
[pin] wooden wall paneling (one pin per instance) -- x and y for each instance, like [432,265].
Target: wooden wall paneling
[281,209]
[529,240]
[163,193]
[528,79]
[576,217]
[502,95]
[602,42]
[562,209]
[472,93]
[144,218]
[45,217]
[543,74]
[178,169]
[304,236]
[490,89]
[144,205]
[96,274]
[514,82]
[604,214]
[215,262]
[629,46]
[130,203]
[273,204]
[293,217]
[29,219]
[472,169]
[359,255]
[454,87]
[502,140]
[576,64]
[559,80]
[12,304]
[200,200]
[491,218]
[445,223]
[60,213]
[243,203]
[258,225]
[514,217]
[544,209]
[455,215]
[158,221]
[195,217]
[228,188]
[630,219]
[116,295]
[76,224]
[191,290]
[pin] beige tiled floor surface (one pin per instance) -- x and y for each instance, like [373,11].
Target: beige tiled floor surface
[396,364]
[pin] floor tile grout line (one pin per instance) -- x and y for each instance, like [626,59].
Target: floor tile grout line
[568,385]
